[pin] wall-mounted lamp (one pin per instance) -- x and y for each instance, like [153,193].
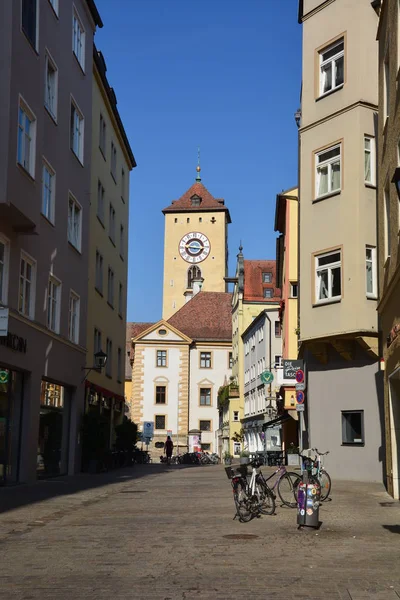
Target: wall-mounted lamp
[100,361]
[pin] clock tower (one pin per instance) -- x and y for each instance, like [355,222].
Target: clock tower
[195,246]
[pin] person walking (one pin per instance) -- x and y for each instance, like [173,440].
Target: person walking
[168,447]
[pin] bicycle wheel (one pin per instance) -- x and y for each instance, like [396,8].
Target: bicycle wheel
[287,489]
[266,499]
[326,484]
[242,502]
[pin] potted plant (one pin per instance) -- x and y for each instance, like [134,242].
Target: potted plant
[228,458]
[292,454]
[244,457]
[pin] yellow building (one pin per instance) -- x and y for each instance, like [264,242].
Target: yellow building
[195,246]
[112,161]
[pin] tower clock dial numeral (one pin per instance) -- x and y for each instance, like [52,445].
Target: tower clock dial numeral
[194,247]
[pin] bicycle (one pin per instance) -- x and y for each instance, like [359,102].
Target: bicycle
[253,496]
[286,484]
[321,474]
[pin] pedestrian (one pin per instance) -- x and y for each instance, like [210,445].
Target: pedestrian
[168,447]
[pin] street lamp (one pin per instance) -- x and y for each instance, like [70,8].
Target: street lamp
[396,180]
[100,361]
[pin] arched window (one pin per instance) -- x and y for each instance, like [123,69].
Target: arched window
[193,273]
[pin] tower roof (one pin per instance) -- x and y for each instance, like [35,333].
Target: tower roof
[207,316]
[207,202]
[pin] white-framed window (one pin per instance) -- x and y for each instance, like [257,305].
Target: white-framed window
[120,300]
[99,272]
[111,223]
[278,329]
[54,5]
[331,60]
[26,146]
[48,191]
[267,277]
[327,171]
[53,304]
[109,357]
[27,285]
[278,360]
[97,341]
[78,39]
[119,365]
[103,135]
[328,270]
[386,220]
[110,288]
[50,85]
[369,160]
[73,317]
[74,222]
[294,290]
[77,131]
[30,21]
[122,241]
[370,271]
[100,201]
[114,161]
[4,268]
[268,292]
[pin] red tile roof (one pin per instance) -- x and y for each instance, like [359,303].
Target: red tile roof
[208,202]
[207,316]
[132,330]
[253,280]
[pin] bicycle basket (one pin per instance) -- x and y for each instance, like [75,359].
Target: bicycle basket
[230,473]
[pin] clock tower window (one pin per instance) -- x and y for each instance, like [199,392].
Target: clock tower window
[193,273]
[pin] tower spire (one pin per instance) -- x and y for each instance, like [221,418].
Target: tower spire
[198,168]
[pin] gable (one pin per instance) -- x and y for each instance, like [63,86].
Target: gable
[162,333]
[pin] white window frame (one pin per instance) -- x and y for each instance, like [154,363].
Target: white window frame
[372,153]
[28,158]
[113,167]
[53,311]
[74,232]
[32,297]
[328,267]
[372,262]
[77,130]
[99,272]
[110,286]
[100,201]
[328,164]
[5,269]
[74,318]
[50,189]
[111,223]
[109,357]
[36,44]
[78,44]
[54,6]
[332,61]
[51,107]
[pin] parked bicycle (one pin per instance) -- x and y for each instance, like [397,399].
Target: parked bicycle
[252,496]
[317,473]
[286,483]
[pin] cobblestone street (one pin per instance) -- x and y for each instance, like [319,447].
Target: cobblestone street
[157,532]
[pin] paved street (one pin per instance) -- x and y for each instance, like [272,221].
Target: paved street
[157,532]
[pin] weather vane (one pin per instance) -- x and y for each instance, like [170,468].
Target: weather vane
[198,168]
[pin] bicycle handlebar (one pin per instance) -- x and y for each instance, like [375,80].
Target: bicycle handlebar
[320,453]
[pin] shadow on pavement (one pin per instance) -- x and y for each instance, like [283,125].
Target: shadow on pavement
[392,528]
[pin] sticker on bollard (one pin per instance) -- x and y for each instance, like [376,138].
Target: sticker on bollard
[308,500]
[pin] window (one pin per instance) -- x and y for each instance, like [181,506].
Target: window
[331,67]
[205,396]
[236,415]
[159,422]
[328,276]
[77,131]
[26,138]
[74,222]
[119,365]
[78,39]
[278,329]
[53,304]
[237,448]
[110,288]
[73,318]
[120,300]
[387,221]
[111,223]
[278,360]
[369,160]
[230,360]
[29,20]
[114,161]
[54,4]
[4,267]
[122,241]
[48,192]
[205,447]
[50,90]
[99,272]
[193,273]
[27,274]
[386,84]
[100,201]
[327,165]
[122,185]
[161,394]
[268,293]
[205,360]
[102,136]
[161,358]
[97,341]
[205,426]
[267,277]
[294,291]
[195,200]
[353,427]
[370,271]
[109,357]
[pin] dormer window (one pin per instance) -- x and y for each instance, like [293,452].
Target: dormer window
[195,200]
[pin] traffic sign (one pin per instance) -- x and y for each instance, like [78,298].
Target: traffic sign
[300,407]
[148,429]
[300,387]
[300,397]
[267,377]
[3,376]
[300,376]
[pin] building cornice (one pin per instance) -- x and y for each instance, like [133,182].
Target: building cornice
[303,17]
[360,103]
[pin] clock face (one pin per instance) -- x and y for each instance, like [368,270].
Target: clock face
[194,247]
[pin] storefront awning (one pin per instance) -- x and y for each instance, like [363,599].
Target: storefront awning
[276,421]
[104,391]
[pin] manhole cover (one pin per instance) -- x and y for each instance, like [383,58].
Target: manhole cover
[388,504]
[134,492]
[240,536]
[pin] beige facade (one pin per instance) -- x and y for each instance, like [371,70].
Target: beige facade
[112,161]
[338,269]
[388,230]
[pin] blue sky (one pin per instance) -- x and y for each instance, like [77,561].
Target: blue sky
[224,75]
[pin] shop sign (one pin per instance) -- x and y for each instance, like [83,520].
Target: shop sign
[4,376]
[290,368]
[4,312]
[14,342]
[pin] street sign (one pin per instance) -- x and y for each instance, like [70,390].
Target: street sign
[300,387]
[300,397]
[300,407]
[300,376]
[267,377]
[4,312]
[148,429]
[4,376]
[290,368]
